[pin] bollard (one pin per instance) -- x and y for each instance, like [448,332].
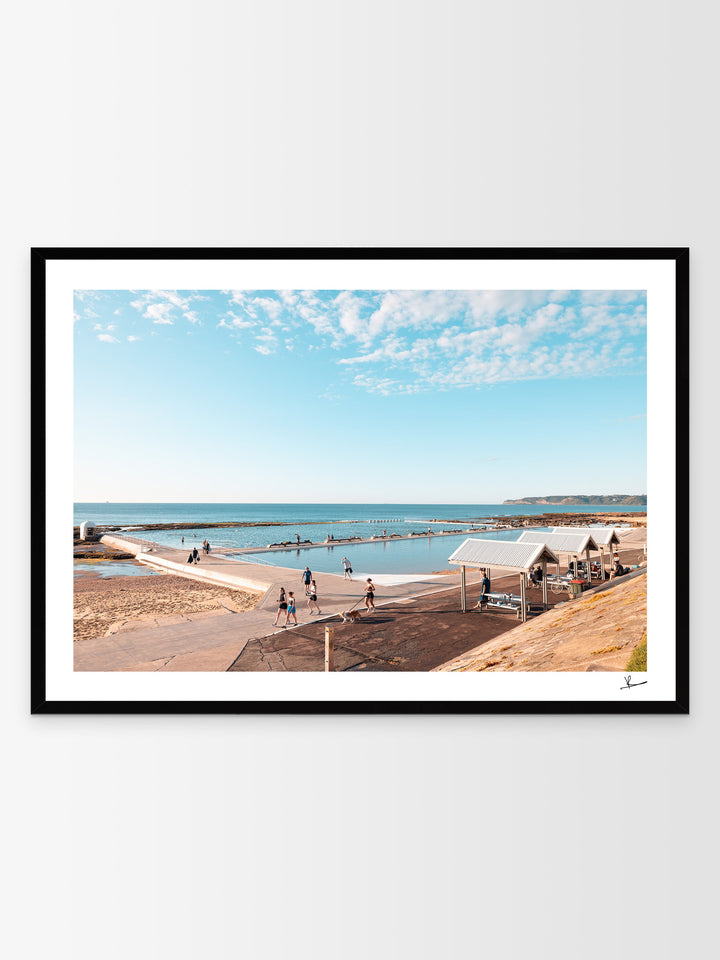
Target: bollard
[329,649]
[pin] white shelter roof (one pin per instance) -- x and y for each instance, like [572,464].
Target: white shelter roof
[603,536]
[561,542]
[501,553]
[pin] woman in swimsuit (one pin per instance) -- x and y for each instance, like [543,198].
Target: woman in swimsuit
[282,605]
[370,595]
[291,609]
[312,597]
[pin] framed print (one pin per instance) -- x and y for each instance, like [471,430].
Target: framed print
[339,480]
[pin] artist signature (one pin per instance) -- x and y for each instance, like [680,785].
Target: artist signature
[628,684]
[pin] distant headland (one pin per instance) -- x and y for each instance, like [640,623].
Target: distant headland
[621,500]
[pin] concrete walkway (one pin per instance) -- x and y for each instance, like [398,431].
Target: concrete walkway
[214,643]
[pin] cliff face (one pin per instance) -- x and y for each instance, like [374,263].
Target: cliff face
[621,499]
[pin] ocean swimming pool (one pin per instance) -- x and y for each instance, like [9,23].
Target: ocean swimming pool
[239,538]
[421,555]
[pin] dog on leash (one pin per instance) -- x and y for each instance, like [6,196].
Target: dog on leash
[351,617]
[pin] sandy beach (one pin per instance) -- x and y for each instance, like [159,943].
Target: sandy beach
[103,606]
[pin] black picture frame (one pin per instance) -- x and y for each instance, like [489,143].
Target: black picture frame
[41,618]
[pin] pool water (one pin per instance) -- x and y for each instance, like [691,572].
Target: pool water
[419,555]
[239,538]
[118,568]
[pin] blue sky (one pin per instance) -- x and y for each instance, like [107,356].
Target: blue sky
[357,395]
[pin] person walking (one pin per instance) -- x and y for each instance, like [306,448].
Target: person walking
[195,555]
[370,596]
[347,567]
[182,539]
[282,606]
[312,597]
[291,609]
[306,578]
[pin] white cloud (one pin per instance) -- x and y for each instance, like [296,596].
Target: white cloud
[272,308]
[412,340]
[107,338]
[237,296]
[324,327]
[266,342]
[384,385]
[609,323]
[172,297]
[160,313]
[363,317]
[132,339]
[394,350]
[348,307]
[160,305]
[597,297]
[91,295]
[233,322]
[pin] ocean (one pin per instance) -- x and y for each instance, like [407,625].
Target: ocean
[141,513]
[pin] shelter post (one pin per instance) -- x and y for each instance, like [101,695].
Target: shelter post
[588,575]
[463,599]
[523,608]
[544,575]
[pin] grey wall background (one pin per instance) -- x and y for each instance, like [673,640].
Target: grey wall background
[521,123]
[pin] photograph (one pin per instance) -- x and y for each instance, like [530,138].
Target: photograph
[433,491]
